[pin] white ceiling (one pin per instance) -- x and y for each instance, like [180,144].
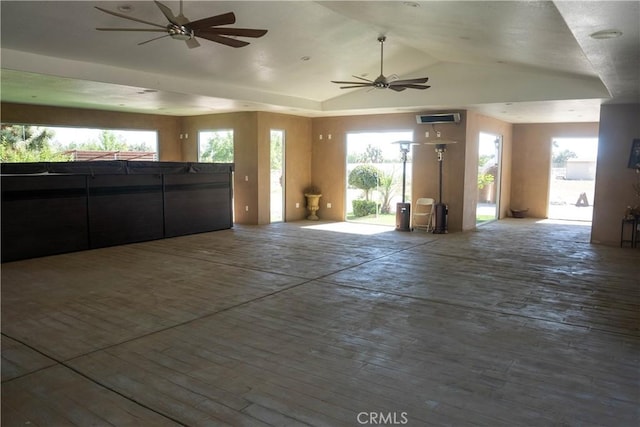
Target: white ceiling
[521,61]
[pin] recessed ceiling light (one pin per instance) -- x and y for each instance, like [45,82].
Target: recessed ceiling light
[606,34]
[410,4]
[125,8]
[305,58]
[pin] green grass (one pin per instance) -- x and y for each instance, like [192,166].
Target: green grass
[381,219]
[484,218]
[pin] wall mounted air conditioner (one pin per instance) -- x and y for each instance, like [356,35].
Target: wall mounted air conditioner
[429,119]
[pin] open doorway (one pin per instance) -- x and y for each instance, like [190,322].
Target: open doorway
[277,176]
[573,178]
[489,166]
[374,176]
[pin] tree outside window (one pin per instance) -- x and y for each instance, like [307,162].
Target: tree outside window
[215,146]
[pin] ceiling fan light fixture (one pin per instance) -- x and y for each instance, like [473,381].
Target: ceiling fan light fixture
[179,32]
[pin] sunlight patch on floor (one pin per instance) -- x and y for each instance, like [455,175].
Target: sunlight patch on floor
[351,228]
[564,222]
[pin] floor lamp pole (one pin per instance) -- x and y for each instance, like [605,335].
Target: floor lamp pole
[440,179]
[441,209]
[404,174]
[403,210]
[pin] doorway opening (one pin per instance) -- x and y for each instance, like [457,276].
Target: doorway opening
[489,167]
[573,178]
[374,176]
[277,161]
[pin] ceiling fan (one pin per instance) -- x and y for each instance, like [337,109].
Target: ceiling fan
[381,82]
[180,28]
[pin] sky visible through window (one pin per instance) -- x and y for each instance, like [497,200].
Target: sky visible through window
[585,148]
[358,142]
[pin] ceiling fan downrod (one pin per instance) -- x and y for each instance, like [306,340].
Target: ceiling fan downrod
[381,82]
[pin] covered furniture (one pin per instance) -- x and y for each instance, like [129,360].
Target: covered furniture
[52,208]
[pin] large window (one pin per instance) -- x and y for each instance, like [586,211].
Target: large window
[215,146]
[30,143]
[374,176]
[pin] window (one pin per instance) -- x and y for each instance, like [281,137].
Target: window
[32,143]
[374,176]
[215,146]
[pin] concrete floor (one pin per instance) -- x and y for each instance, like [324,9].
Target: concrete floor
[521,323]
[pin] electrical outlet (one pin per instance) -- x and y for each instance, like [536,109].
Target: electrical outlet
[246,208]
[297,205]
[328,205]
[246,177]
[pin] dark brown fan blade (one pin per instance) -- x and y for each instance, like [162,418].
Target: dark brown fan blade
[358,86]
[131,18]
[213,21]
[243,32]
[410,86]
[205,34]
[410,81]
[397,88]
[167,13]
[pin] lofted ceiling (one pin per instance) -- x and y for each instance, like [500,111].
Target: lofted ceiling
[520,61]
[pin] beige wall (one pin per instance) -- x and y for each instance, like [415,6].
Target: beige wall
[330,151]
[316,154]
[168,127]
[425,178]
[245,159]
[619,126]
[329,154]
[531,162]
[460,167]
[252,141]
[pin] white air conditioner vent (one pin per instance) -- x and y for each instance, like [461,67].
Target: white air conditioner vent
[429,119]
